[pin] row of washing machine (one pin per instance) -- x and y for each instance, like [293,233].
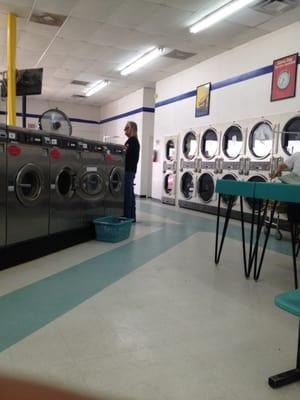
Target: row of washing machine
[247,150]
[52,183]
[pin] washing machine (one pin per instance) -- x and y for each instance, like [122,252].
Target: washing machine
[233,150]
[27,184]
[188,155]
[92,182]
[169,181]
[65,208]
[3,138]
[114,161]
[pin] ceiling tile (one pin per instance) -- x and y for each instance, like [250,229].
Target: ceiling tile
[33,42]
[26,58]
[249,17]
[79,29]
[21,8]
[96,10]
[40,29]
[62,46]
[62,7]
[76,64]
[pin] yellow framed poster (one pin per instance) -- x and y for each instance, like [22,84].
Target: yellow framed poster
[202,100]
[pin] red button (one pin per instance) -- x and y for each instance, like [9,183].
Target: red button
[55,154]
[14,150]
[108,158]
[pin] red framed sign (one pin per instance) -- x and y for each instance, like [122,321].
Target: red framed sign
[284,77]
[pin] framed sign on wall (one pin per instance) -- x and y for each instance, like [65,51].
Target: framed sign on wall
[202,100]
[284,77]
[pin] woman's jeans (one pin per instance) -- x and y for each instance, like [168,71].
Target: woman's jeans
[129,198]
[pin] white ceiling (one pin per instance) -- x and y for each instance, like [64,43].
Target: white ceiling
[99,36]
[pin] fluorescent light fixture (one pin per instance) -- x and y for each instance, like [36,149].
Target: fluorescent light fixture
[150,55]
[96,87]
[219,14]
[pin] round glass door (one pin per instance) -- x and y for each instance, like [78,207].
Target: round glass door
[255,178]
[65,182]
[170,150]
[189,145]
[225,197]
[232,142]
[206,187]
[290,137]
[261,139]
[29,182]
[92,185]
[115,181]
[209,144]
[169,183]
[187,185]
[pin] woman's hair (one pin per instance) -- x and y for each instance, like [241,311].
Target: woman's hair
[133,126]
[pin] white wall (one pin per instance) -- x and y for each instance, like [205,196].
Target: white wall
[78,111]
[242,100]
[113,131]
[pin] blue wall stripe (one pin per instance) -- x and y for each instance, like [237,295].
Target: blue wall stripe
[218,85]
[127,114]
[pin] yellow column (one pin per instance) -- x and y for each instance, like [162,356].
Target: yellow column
[11,69]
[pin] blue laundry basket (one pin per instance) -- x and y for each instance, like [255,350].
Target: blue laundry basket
[112,229]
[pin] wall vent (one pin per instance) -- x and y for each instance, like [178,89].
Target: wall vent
[80,83]
[274,7]
[179,54]
[46,18]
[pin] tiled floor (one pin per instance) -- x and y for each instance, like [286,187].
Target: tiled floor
[151,317]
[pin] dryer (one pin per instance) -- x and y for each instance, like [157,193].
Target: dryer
[208,165]
[114,161]
[260,147]
[27,184]
[259,153]
[188,152]
[169,181]
[92,182]
[288,138]
[233,150]
[3,138]
[65,209]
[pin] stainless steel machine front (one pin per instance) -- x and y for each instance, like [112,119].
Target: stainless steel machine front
[65,165]
[92,182]
[27,184]
[3,136]
[115,167]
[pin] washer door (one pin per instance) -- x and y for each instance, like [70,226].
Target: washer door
[92,186]
[29,185]
[290,138]
[115,181]
[225,197]
[189,145]
[206,187]
[255,178]
[64,182]
[169,183]
[170,150]
[209,144]
[232,142]
[261,140]
[187,185]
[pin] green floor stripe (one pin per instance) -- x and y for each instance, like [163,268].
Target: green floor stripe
[30,308]
[202,224]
